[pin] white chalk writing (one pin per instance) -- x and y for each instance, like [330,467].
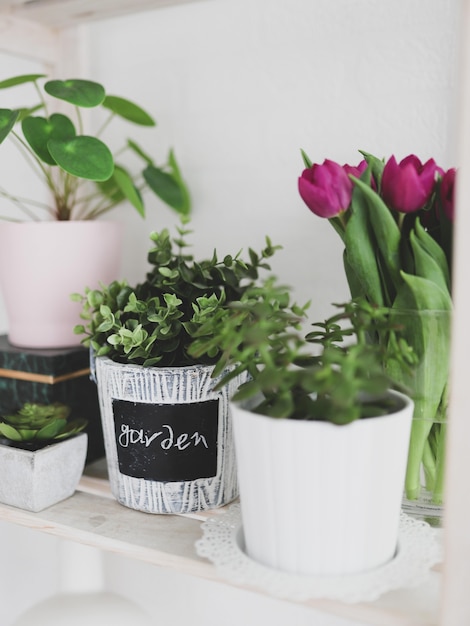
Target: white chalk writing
[166,439]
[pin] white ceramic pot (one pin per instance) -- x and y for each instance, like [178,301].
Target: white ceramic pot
[321,499]
[168,436]
[35,480]
[41,264]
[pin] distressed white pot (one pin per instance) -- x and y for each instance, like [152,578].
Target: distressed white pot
[168,436]
[42,264]
[35,480]
[321,499]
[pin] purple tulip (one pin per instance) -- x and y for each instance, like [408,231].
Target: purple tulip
[355,170]
[446,192]
[326,189]
[408,185]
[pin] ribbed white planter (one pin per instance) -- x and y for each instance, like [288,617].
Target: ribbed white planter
[321,499]
[168,436]
[35,480]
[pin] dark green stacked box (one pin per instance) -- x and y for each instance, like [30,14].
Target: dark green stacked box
[48,376]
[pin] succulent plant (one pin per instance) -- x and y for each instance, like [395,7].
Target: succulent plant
[40,423]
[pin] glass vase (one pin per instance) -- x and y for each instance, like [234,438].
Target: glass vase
[426,381]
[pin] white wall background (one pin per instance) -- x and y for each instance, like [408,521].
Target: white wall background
[238,87]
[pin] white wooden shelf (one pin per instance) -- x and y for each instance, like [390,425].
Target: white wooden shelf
[65,13]
[44,30]
[93,517]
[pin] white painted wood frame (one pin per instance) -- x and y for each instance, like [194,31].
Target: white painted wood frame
[43,36]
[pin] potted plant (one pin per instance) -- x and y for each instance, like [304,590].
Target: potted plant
[42,455]
[396,222]
[167,432]
[52,248]
[321,437]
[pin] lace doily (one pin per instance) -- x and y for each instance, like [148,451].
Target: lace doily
[223,544]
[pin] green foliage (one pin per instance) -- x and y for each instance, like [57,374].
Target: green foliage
[319,376]
[67,159]
[40,423]
[155,322]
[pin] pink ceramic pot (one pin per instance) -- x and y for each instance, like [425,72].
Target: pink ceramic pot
[42,264]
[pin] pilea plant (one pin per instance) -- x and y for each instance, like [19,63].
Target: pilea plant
[40,424]
[55,144]
[333,373]
[155,322]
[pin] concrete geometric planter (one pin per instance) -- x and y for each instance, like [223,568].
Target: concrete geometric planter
[35,480]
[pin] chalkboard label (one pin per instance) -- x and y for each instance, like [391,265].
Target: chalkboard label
[167,442]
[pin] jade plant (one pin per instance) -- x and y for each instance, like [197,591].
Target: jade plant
[332,373]
[84,177]
[155,322]
[40,424]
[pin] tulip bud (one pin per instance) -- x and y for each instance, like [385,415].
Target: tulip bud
[446,193]
[407,186]
[355,170]
[326,189]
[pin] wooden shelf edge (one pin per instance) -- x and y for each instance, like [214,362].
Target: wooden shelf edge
[93,517]
[70,13]
[28,39]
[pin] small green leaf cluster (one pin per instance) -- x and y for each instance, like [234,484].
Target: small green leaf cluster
[317,376]
[41,423]
[155,322]
[65,157]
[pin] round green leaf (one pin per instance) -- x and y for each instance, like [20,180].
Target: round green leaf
[82,156]
[20,80]
[167,188]
[83,93]
[7,121]
[128,110]
[39,130]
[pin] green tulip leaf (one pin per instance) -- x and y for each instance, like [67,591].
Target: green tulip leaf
[431,246]
[376,165]
[7,121]
[361,251]
[428,332]
[39,130]
[424,293]
[386,231]
[306,159]
[426,266]
[20,80]
[83,156]
[355,286]
[167,188]
[126,185]
[128,110]
[83,93]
